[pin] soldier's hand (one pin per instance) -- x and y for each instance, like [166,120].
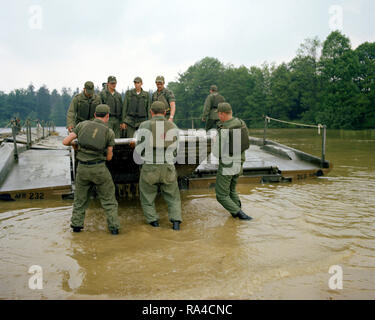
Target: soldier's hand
[75,145]
[170,119]
[70,129]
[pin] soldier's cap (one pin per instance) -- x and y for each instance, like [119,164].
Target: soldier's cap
[112,79]
[159,79]
[224,107]
[102,109]
[138,79]
[158,107]
[89,86]
[213,88]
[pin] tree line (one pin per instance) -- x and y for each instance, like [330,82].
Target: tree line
[327,82]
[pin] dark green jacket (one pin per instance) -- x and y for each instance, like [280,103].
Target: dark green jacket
[136,108]
[114,101]
[210,106]
[223,135]
[150,158]
[81,109]
[165,96]
[86,154]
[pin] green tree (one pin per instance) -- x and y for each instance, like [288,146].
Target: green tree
[305,81]
[282,95]
[43,99]
[192,88]
[258,96]
[341,103]
[366,81]
[58,114]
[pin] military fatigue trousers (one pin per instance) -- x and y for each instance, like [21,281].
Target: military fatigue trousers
[163,175]
[226,193]
[114,124]
[98,175]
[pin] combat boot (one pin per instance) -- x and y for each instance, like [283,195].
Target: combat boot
[77,229]
[154,224]
[176,225]
[241,215]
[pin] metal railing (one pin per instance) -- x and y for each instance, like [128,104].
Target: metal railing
[267,120]
[16,129]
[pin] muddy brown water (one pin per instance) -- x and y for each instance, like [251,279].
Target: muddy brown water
[299,231]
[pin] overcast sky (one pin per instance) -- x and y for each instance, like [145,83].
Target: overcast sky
[63,43]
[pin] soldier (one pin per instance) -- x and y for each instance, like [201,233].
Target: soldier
[231,158]
[210,108]
[166,96]
[95,146]
[136,108]
[83,106]
[113,99]
[158,169]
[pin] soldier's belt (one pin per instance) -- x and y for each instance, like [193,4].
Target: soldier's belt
[90,163]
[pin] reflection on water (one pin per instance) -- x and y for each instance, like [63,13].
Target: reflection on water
[299,230]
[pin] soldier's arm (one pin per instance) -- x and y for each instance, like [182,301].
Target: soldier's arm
[121,102]
[121,116]
[71,115]
[148,106]
[173,110]
[109,153]
[206,108]
[217,145]
[123,125]
[102,97]
[98,99]
[172,104]
[111,144]
[68,140]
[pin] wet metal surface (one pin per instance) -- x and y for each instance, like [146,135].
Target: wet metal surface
[39,169]
[299,230]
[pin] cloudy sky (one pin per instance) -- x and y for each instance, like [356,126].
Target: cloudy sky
[63,43]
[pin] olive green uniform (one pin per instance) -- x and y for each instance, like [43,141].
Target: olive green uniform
[136,110]
[226,180]
[81,109]
[92,171]
[154,175]
[210,110]
[166,96]
[114,101]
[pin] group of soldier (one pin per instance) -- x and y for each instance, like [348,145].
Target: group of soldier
[95,120]
[125,115]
